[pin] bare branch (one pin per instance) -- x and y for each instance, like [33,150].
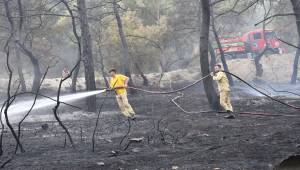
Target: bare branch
[273,16]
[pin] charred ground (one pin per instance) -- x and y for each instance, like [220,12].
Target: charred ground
[171,138]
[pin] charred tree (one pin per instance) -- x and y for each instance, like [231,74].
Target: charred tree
[101,58]
[18,36]
[296,8]
[7,51]
[102,66]
[224,63]
[78,41]
[20,69]
[36,66]
[145,80]
[257,58]
[74,78]
[211,94]
[87,55]
[126,62]
[258,65]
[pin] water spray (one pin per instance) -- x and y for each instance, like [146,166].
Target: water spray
[21,107]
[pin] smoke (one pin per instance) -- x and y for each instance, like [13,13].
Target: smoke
[274,90]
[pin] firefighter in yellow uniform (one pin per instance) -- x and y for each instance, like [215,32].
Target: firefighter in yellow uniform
[119,83]
[224,89]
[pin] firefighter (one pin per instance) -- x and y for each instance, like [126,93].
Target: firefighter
[224,90]
[119,83]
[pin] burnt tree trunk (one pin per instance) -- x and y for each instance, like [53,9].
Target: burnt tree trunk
[211,94]
[295,66]
[102,65]
[224,63]
[145,80]
[296,8]
[87,54]
[78,41]
[258,65]
[17,50]
[126,62]
[20,69]
[74,77]
[36,67]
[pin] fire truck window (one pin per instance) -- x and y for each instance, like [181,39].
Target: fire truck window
[257,36]
[270,35]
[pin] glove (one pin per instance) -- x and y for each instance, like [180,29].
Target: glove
[109,89]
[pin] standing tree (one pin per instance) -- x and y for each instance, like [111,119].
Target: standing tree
[211,94]
[18,36]
[223,59]
[296,8]
[87,55]
[126,62]
[78,42]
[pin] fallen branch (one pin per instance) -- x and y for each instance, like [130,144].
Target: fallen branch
[6,162]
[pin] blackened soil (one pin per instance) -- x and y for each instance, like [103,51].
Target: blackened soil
[172,139]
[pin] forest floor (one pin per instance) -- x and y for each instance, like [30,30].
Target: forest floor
[171,139]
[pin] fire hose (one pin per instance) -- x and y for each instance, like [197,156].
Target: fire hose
[164,92]
[201,79]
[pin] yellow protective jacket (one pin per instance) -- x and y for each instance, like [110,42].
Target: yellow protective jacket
[118,81]
[222,81]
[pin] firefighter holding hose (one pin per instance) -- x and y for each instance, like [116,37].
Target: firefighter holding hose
[119,83]
[224,90]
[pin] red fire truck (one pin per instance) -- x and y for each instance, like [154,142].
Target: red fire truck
[250,44]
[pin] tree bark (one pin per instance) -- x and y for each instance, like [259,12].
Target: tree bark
[296,8]
[126,62]
[211,94]
[87,54]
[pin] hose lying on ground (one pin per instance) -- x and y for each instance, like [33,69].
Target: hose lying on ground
[283,91]
[268,96]
[212,111]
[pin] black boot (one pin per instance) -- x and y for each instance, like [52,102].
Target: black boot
[230,115]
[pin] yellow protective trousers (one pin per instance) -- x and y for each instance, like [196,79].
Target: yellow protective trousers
[124,105]
[225,100]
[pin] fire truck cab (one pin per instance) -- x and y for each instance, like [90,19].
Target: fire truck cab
[252,42]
